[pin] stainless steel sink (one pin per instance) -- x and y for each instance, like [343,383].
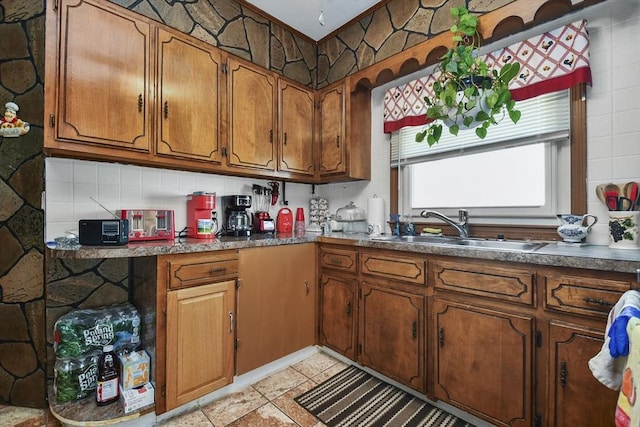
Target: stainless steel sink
[415,239]
[505,245]
[508,245]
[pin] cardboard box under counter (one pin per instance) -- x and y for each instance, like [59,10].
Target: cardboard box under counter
[134,369]
[136,398]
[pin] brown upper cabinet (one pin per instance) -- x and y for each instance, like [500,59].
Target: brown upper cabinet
[252,116]
[344,133]
[171,100]
[104,92]
[189,98]
[296,106]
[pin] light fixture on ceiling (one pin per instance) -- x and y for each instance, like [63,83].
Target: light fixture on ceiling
[321,17]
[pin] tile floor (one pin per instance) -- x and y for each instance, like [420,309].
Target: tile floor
[267,402]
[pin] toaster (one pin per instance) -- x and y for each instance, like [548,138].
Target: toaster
[149,224]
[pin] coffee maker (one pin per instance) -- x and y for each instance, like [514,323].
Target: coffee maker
[200,215]
[237,220]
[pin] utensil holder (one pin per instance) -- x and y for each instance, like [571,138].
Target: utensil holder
[623,229]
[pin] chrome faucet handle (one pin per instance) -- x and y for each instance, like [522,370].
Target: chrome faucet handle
[463,216]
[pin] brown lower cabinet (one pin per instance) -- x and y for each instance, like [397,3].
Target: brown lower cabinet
[200,333]
[391,333]
[483,361]
[507,342]
[192,338]
[276,303]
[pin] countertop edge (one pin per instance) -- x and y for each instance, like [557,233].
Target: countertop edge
[553,254]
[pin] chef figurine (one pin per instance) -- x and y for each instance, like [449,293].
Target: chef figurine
[10,124]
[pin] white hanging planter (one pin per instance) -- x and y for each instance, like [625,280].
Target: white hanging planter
[470,108]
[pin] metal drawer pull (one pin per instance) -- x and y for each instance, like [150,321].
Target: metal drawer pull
[441,337]
[597,302]
[231,322]
[220,270]
[336,261]
[349,308]
[414,329]
[306,285]
[140,103]
[563,373]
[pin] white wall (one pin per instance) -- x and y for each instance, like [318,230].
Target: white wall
[613,146]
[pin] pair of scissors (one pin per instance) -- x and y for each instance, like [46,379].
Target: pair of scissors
[619,203]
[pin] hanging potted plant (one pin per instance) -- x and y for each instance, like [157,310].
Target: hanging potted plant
[468,94]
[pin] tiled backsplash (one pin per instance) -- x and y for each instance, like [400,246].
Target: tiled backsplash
[71,184]
[613,127]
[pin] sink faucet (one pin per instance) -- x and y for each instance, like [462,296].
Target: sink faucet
[462,226]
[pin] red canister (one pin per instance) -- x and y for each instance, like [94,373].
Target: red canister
[284,223]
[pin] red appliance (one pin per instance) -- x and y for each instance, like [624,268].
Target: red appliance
[149,224]
[200,208]
[284,223]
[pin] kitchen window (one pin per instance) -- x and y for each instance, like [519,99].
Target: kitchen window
[517,174]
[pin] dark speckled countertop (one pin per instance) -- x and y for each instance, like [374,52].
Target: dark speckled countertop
[586,256]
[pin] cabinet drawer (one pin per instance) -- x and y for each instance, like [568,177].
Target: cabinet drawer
[339,259]
[404,268]
[491,281]
[583,295]
[209,267]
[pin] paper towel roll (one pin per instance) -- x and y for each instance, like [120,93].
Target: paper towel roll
[375,214]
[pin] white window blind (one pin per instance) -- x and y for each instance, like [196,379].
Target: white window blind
[544,118]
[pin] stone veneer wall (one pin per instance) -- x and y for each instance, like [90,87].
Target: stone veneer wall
[236,29]
[22,296]
[397,25]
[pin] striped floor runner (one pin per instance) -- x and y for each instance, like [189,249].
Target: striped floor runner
[355,398]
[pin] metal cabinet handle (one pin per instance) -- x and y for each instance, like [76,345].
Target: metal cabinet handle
[349,308]
[441,337]
[338,141]
[306,285]
[231,322]
[166,109]
[217,271]
[285,139]
[414,329]
[600,302]
[140,103]
[271,135]
[563,373]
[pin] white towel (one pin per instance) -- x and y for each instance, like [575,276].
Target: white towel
[606,369]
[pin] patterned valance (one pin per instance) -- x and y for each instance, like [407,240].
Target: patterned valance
[550,62]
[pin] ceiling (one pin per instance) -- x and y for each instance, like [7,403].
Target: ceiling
[304,15]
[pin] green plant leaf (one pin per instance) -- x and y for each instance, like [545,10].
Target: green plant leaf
[509,71]
[453,129]
[482,116]
[421,135]
[481,132]
[467,121]
[514,115]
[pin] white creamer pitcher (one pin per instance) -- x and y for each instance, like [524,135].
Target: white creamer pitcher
[572,228]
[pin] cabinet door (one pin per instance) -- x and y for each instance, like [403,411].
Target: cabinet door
[576,398]
[483,362]
[296,106]
[276,303]
[392,335]
[200,341]
[252,95]
[338,313]
[104,89]
[332,132]
[189,98]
